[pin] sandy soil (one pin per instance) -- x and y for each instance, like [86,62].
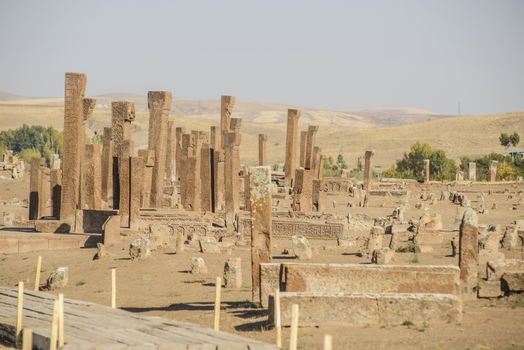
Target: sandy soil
[162,285]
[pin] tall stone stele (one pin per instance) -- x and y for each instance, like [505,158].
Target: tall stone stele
[368,169]
[468,251]
[293,115]
[260,196]
[226,109]
[159,103]
[75,85]
[310,146]
[122,115]
[262,155]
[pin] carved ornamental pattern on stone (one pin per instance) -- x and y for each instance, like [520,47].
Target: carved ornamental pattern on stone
[289,227]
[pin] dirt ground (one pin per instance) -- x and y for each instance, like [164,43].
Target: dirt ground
[162,285]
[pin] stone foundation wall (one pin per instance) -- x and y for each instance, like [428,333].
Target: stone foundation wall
[388,309]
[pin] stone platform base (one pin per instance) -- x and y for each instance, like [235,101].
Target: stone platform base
[15,242]
[331,308]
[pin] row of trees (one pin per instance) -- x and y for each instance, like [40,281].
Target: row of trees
[32,141]
[411,166]
[442,168]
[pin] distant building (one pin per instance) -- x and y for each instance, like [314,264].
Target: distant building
[516,153]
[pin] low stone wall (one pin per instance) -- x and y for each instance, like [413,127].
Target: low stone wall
[331,308]
[24,242]
[309,277]
[299,277]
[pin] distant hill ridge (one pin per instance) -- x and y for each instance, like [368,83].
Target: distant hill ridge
[257,112]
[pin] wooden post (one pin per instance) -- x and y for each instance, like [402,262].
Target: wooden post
[218,284]
[113,288]
[27,340]
[60,320]
[278,322]
[294,327]
[37,275]
[20,309]
[54,326]
[328,342]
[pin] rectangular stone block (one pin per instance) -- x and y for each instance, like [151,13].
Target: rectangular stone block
[371,278]
[52,226]
[388,309]
[111,230]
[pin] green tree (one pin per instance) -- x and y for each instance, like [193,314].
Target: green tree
[45,141]
[505,141]
[412,164]
[514,139]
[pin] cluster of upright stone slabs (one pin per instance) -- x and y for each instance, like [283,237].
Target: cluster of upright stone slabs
[199,171]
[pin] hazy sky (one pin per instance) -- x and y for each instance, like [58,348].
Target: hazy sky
[345,55]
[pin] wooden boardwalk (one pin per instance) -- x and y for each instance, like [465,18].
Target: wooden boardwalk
[91,326]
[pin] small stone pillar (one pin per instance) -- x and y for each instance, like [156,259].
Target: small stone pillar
[214,141]
[311,137]
[45,190]
[206,180]
[260,181]
[303,146]
[122,115]
[179,131]
[91,177]
[468,251]
[232,168]
[56,162]
[426,171]
[35,190]
[219,179]
[303,190]
[262,142]
[136,165]
[107,166]
[148,157]
[319,197]
[368,172]
[75,84]
[56,191]
[88,107]
[247,191]
[233,273]
[159,104]
[293,115]
[171,152]
[320,167]
[226,108]
[124,177]
[472,173]
[493,171]
[317,153]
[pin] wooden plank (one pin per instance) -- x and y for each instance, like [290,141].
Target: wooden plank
[99,324]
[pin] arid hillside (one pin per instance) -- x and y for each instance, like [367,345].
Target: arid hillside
[388,132]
